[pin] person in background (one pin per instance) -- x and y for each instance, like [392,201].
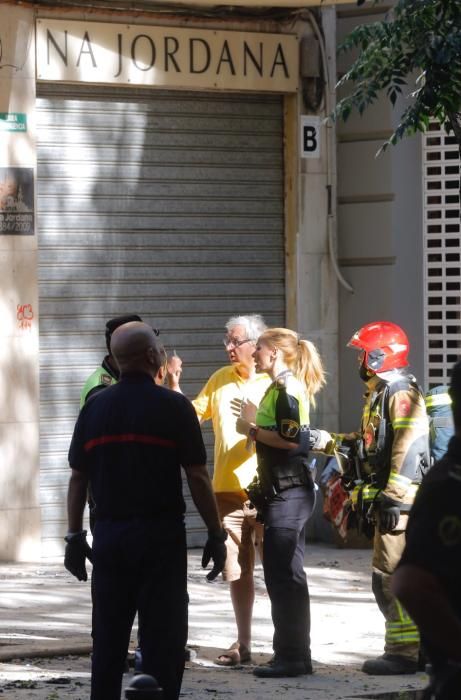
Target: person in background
[234,467]
[107,373]
[427,580]
[129,444]
[284,490]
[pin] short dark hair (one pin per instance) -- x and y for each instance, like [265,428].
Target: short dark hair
[455,393]
[114,323]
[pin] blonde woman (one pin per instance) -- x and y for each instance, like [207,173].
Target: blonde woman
[284,491]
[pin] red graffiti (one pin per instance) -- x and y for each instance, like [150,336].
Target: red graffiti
[24,315]
[24,312]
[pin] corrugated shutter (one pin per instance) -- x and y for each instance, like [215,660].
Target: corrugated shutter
[169,205]
[442,249]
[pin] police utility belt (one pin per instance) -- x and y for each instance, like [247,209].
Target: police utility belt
[265,487]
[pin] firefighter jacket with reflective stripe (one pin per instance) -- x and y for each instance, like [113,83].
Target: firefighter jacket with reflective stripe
[395,439]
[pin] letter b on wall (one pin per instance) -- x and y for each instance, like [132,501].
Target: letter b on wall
[310,137]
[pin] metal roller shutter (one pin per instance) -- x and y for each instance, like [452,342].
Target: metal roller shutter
[165,204]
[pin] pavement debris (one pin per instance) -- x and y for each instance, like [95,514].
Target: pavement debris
[45,638]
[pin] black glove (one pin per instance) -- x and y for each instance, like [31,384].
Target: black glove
[216,550]
[388,513]
[77,551]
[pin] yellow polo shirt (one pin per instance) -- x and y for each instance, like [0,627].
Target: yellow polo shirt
[234,466]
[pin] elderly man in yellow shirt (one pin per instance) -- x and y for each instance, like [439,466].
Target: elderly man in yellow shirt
[234,468]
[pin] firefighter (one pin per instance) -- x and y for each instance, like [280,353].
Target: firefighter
[392,453]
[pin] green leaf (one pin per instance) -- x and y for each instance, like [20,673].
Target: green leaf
[417,43]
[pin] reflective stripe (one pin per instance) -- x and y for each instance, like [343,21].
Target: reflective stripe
[399,480]
[399,423]
[403,637]
[368,493]
[438,400]
[402,631]
[412,491]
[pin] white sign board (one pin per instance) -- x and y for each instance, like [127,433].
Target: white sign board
[168,57]
[310,137]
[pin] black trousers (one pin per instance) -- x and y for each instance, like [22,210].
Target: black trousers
[139,566]
[285,518]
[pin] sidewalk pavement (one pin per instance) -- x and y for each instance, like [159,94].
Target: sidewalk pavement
[45,633]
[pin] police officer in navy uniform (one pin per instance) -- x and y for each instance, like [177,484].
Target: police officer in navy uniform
[107,373]
[283,491]
[129,443]
[428,578]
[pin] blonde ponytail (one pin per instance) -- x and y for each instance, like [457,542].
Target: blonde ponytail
[310,369]
[301,356]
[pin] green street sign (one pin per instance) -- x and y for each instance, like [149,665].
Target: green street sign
[13,121]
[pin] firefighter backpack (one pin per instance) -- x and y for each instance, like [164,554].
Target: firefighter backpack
[438,408]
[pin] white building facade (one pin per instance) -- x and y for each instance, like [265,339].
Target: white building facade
[178,165]
[174,165]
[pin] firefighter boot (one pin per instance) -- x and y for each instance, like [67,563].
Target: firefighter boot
[390,665]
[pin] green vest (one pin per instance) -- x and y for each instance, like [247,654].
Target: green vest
[100,377]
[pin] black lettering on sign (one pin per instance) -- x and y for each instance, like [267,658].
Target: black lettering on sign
[279,60]
[310,142]
[62,53]
[247,53]
[119,47]
[169,53]
[88,50]
[194,43]
[152,52]
[225,58]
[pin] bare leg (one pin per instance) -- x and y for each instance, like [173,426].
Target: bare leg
[242,595]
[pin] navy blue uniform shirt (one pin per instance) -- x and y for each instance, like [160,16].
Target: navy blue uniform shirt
[131,440]
[433,535]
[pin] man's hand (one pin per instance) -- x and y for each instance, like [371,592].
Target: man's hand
[76,553]
[249,410]
[243,426]
[173,372]
[388,514]
[215,549]
[244,409]
[236,407]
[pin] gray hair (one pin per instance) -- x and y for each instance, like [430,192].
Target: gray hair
[253,324]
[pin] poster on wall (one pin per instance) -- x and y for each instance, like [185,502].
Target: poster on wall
[17,201]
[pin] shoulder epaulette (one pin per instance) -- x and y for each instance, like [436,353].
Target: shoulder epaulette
[105,379]
[403,384]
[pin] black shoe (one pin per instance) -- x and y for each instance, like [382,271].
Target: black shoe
[278,668]
[390,665]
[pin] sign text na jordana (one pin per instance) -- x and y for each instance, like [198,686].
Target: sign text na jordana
[167,56]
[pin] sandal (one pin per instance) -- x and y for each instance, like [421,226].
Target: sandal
[234,656]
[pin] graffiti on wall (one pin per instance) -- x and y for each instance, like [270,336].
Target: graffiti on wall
[24,315]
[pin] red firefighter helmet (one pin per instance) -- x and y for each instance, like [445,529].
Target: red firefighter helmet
[385,346]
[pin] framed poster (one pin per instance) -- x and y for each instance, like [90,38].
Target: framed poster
[17,201]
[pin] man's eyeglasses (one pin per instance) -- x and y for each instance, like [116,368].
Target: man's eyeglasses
[234,342]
